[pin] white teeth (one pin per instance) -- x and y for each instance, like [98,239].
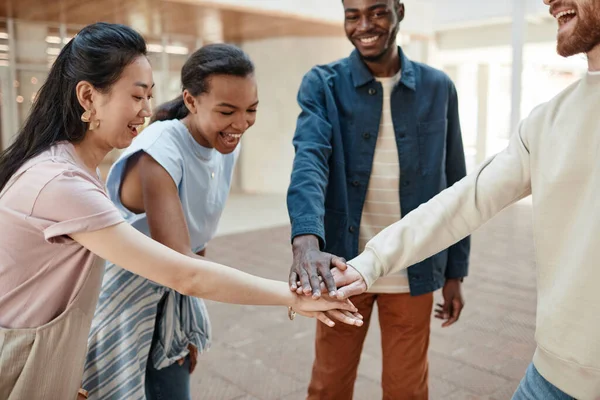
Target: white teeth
[369,39]
[233,135]
[563,13]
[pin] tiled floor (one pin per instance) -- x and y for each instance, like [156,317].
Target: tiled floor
[259,354]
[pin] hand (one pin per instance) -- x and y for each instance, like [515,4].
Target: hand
[310,263]
[326,309]
[327,317]
[193,354]
[453,303]
[349,282]
[193,357]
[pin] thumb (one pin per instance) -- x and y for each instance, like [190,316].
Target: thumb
[339,277]
[456,307]
[339,263]
[355,288]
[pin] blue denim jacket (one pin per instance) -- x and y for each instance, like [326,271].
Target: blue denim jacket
[335,141]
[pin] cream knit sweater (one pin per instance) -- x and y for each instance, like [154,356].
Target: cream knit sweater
[555,157]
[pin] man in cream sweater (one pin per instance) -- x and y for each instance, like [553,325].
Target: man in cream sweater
[555,157]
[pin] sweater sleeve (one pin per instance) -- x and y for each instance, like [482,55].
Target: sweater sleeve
[451,215]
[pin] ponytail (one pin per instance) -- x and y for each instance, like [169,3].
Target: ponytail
[174,109]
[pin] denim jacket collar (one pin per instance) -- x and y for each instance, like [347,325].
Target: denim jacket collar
[361,74]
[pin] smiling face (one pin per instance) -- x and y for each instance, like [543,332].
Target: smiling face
[372,26]
[578,25]
[220,117]
[124,108]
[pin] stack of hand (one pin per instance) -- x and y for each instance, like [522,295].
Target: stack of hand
[314,273]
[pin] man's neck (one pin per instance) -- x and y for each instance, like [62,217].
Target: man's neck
[594,59]
[387,66]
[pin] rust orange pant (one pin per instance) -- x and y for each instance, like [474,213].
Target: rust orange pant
[405,323]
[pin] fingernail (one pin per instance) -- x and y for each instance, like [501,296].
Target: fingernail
[359,323]
[332,294]
[316,295]
[331,324]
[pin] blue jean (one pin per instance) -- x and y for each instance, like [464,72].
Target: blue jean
[534,386]
[170,383]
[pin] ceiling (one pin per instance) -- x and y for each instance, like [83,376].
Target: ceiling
[465,13]
[205,20]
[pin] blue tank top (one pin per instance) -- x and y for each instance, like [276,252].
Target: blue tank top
[202,176]
[127,305]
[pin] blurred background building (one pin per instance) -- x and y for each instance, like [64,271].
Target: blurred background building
[500,54]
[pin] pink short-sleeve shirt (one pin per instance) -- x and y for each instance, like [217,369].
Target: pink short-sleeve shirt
[41,267]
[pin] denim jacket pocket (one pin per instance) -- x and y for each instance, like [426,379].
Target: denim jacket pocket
[432,146]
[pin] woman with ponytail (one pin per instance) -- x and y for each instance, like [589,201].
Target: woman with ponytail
[57,222]
[171,184]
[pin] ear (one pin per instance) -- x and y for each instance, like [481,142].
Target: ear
[85,94]
[399,7]
[190,102]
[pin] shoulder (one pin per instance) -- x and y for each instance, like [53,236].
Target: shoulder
[54,178]
[430,75]
[550,108]
[324,74]
[533,128]
[163,133]
[165,141]
[63,191]
[70,201]
[337,67]
[58,178]
[58,166]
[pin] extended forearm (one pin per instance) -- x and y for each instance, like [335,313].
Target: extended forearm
[450,216]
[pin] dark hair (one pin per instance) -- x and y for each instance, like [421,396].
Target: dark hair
[209,60]
[98,54]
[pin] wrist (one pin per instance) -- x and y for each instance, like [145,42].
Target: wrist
[304,242]
[288,298]
[293,303]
